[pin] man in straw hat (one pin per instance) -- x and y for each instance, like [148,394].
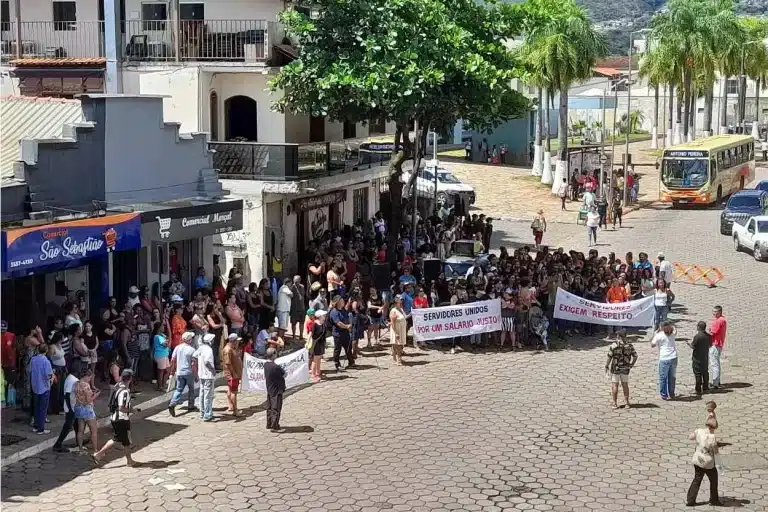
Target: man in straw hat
[206,371]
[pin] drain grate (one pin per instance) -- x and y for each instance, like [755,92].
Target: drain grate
[10,439]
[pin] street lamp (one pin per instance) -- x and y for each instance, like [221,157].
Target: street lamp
[629,111]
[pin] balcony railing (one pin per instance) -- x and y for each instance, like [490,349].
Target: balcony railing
[290,162]
[53,40]
[199,40]
[247,41]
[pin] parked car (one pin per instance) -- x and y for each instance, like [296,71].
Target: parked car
[753,235]
[740,207]
[448,185]
[763,185]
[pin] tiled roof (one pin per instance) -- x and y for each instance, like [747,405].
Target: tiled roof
[606,71]
[57,62]
[616,62]
[32,118]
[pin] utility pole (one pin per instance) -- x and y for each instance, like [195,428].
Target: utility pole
[602,148]
[19,49]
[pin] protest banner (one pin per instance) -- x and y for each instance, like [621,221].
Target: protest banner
[459,320]
[634,313]
[294,364]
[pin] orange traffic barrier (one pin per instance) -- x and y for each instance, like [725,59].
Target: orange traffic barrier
[693,273]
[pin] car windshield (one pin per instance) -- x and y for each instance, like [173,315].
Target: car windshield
[456,269]
[447,177]
[763,185]
[762,226]
[744,202]
[684,173]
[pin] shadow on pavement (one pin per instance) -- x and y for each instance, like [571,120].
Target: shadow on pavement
[647,405]
[299,429]
[727,501]
[736,385]
[33,476]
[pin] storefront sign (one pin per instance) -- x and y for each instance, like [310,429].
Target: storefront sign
[634,313]
[318,222]
[459,320]
[29,248]
[168,228]
[314,202]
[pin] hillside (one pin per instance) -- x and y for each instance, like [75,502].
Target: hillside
[619,18]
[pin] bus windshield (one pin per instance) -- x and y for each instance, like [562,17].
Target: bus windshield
[678,173]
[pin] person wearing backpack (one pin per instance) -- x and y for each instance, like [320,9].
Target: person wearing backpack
[119,415]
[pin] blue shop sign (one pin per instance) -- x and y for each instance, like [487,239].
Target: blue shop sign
[26,249]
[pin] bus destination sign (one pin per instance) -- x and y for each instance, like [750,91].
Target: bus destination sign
[672,153]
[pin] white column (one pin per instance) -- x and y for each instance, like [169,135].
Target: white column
[546,175]
[537,161]
[561,171]
[654,137]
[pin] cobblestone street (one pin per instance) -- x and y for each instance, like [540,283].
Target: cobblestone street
[472,432]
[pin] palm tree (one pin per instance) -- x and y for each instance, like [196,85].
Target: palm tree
[658,71]
[756,61]
[564,51]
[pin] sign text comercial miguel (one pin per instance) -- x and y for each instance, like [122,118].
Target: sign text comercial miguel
[186,223]
[28,248]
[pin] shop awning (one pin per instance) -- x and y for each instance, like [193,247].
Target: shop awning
[184,220]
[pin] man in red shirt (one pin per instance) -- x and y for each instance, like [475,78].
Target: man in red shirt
[717,329]
[8,354]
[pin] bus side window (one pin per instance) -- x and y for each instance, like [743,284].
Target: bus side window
[720,160]
[712,169]
[751,148]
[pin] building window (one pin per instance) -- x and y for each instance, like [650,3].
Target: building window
[732,86]
[378,125]
[360,205]
[154,16]
[192,12]
[5,15]
[350,130]
[64,16]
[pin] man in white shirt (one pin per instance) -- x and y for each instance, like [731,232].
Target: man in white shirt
[593,220]
[69,409]
[284,306]
[665,269]
[185,366]
[206,371]
[665,340]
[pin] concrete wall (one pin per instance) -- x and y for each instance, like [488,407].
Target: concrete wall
[145,159]
[12,199]
[515,133]
[220,9]
[271,125]
[182,88]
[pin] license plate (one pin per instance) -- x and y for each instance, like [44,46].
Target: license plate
[683,200]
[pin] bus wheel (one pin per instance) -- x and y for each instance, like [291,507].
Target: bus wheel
[741,183]
[719,194]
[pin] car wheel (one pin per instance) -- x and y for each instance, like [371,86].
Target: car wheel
[756,253]
[442,198]
[736,244]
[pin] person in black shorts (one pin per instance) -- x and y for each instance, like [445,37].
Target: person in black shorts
[120,410]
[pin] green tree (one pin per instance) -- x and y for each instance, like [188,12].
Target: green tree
[563,51]
[755,57]
[431,61]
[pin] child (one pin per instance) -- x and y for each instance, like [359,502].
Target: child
[711,406]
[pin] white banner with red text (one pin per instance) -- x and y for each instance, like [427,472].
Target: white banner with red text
[459,320]
[295,365]
[634,313]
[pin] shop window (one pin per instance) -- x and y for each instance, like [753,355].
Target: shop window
[350,130]
[64,15]
[360,205]
[377,125]
[154,16]
[192,11]
[5,15]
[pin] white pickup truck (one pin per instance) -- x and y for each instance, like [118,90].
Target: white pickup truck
[753,235]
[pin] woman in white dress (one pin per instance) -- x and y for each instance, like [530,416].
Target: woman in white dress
[398,330]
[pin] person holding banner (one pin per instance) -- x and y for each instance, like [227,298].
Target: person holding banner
[398,330]
[274,378]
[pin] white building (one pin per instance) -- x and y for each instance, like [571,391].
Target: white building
[212,60]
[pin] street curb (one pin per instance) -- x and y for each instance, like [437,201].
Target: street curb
[102,422]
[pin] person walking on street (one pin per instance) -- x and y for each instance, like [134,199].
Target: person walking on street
[342,333]
[701,344]
[539,227]
[717,329]
[665,340]
[274,378]
[206,371]
[622,356]
[704,463]
[232,364]
[185,367]
[593,221]
[617,210]
[41,376]
[562,192]
[120,411]
[69,419]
